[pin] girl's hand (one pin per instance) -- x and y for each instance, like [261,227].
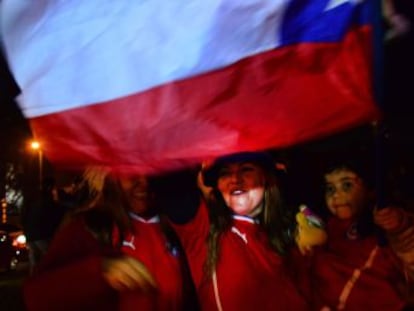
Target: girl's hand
[204,189]
[389,218]
[127,273]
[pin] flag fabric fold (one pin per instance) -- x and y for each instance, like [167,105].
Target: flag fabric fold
[152,86]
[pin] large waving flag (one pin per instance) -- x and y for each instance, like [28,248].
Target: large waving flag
[154,85]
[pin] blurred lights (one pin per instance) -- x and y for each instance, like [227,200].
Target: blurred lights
[3,211]
[20,241]
[35,145]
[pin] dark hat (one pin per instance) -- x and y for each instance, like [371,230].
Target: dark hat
[211,171]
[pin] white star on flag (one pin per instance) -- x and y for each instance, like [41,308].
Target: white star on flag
[332,4]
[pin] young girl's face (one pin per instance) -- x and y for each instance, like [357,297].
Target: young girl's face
[242,187]
[345,193]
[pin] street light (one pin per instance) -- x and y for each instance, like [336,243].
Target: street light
[35,145]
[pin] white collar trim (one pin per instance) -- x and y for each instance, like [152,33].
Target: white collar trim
[244,218]
[152,220]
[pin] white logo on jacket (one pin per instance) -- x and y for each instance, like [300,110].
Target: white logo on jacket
[241,235]
[129,243]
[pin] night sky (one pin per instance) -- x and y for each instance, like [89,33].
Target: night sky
[13,127]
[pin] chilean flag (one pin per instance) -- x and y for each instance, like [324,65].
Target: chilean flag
[154,85]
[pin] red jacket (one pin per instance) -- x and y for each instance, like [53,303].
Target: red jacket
[70,276]
[250,276]
[376,282]
[149,246]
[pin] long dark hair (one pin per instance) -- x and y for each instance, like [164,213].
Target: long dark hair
[276,220]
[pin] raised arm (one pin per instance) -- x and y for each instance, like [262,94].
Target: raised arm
[399,226]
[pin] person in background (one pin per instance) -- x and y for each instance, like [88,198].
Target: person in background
[354,271]
[70,195]
[40,221]
[398,22]
[240,240]
[116,253]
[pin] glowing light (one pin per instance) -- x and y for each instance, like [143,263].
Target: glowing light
[35,145]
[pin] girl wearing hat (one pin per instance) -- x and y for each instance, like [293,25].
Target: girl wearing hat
[240,243]
[116,254]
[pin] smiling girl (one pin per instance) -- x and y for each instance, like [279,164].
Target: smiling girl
[354,272]
[239,243]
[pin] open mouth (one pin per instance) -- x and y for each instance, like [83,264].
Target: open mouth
[237,192]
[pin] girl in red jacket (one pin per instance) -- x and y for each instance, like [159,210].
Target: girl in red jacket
[352,271]
[240,243]
[119,254]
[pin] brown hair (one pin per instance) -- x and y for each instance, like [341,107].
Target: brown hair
[107,210]
[276,220]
